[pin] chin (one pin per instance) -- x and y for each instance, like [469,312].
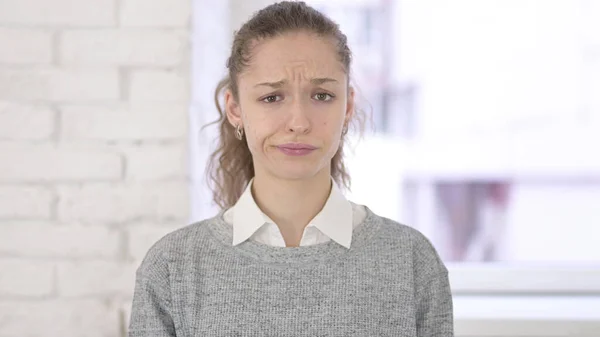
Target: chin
[296,172]
[295,175]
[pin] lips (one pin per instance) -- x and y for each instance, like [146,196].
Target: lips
[296,149]
[297,146]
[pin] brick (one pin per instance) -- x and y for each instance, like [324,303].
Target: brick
[59,318]
[25,122]
[22,278]
[123,47]
[27,239]
[142,237]
[57,85]
[156,162]
[142,123]
[41,163]
[89,13]
[110,203]
[25,46]
[159,86]
[95,278]
[155,13]
[25,202]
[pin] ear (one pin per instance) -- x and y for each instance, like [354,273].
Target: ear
[232,109]
[349,105]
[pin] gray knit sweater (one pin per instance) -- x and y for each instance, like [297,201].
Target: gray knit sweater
[391,282]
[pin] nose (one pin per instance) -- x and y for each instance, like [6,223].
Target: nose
[298,121]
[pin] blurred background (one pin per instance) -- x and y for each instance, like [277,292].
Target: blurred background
[485,136]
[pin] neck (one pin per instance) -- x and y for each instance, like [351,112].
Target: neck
[292,204]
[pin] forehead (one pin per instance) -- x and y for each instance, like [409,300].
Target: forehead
[294,52]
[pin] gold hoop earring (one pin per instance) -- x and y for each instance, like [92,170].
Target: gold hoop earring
[239,132]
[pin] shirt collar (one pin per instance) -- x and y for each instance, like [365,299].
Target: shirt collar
[247,216]
[334,220]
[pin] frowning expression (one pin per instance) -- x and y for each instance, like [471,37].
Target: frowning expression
[294,100]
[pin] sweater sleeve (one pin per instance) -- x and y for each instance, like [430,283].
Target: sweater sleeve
[151,314]
[434,308]
[433,295]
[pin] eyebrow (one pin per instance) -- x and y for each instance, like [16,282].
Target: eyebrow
[279,84]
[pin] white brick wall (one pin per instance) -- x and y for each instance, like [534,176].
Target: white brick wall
[158,86]
[26,122]
[59,84]
[120,202]
[156,162]
[25,278]
[34,47]
[132,47]
[46,163]
[50,240]
[58,13]
[94,100]
[150,122]
[155,13]
[57,317]
[25,202]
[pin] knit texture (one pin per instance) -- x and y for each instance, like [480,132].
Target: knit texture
[391,282]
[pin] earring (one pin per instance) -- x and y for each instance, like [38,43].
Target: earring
[239,132]
[345,130]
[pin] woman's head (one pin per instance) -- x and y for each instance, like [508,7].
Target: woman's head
[287,87]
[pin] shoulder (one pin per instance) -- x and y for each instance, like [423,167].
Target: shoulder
[175,245]
[410,243]
[402,234]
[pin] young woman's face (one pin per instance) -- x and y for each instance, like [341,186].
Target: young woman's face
[293,103]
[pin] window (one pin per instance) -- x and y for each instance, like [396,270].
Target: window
[486,125]
[486,130]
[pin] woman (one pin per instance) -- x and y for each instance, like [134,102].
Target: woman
[289,255]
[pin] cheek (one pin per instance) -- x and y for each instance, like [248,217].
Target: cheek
[251,136]
[263,124]
[332,128]
[257,134]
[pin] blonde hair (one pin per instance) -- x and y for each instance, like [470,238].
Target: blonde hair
[230,166]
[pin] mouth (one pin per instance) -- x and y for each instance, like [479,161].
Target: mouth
[296,149]
[297,146]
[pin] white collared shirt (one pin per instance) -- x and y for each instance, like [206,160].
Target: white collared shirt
[336,221]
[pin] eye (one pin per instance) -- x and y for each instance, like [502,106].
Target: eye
[271,99]
[323,96]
